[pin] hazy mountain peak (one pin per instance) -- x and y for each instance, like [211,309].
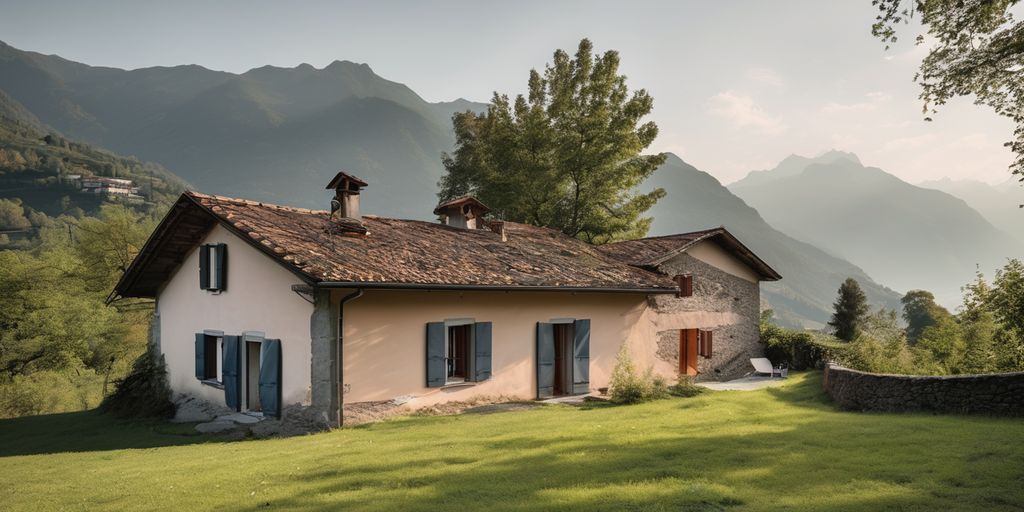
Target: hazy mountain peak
[834,155]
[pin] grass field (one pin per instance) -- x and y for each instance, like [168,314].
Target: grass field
[784,448]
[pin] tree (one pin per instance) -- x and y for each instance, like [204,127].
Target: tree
[565,156]
[978,50]
[920,312]
[851,308]
[1006,301]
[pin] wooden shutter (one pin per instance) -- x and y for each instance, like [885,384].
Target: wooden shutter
[688,352]
[581,357]
[231,368]
[545,360]
[201,356]
[221,279]
[687,285]
[481,351]
[204,267]
[436,375]
[707,343]
[270,377]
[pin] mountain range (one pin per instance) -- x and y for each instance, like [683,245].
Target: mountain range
[273,134]
[279,134]
[904,235]
[696,200]
[1000,203]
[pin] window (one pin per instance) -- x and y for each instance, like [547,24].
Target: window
[209,357]
[685,284]
[213,267]
[704,343]
[457,351]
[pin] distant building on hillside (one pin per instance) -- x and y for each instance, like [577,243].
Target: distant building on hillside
[106,186]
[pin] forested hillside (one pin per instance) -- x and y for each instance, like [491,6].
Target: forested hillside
[275,134]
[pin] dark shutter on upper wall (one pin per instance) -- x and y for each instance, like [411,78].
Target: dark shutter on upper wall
[581,357]
[687,285]
[436,375]
[481,351]
[204,267]
[201,356]
[545,360]
[270,377]
[221,279]
[707,343]
[231,369]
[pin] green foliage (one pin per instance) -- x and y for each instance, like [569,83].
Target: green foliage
[566,156]
[50,391]
[53,316]
[628,386]
[801,350]
[12,215]
[850,309]
[144,392]
[881,347]
[977,49]
[920,312]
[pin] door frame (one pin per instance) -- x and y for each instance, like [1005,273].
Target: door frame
[247,338]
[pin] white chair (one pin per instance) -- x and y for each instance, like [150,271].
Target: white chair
[763,366]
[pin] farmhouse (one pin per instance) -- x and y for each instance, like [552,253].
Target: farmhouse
[259,307]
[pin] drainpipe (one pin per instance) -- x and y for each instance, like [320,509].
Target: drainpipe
[341,352]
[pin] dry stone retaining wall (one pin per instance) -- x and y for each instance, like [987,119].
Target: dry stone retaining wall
[1000,393]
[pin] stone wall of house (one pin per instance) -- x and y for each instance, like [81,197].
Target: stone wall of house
[722,302]
[1001,393]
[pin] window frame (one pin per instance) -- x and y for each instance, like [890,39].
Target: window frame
[470,355]
[217,380]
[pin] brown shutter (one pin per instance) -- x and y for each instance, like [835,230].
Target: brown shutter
[687,285]
[709,343]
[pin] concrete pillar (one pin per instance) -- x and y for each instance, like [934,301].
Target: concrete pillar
[323,330]
[154,329]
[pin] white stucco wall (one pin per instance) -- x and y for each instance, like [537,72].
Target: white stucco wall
[713,254]
[258,298]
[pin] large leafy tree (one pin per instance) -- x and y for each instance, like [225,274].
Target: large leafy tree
[566,156]
[920,312]
[851,309]
[977,50]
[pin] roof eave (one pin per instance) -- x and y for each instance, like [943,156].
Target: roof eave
[487,287]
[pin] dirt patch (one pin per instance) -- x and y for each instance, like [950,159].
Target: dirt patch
[359,413]
[450,408]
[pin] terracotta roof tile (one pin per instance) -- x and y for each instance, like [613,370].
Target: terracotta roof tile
[418,252]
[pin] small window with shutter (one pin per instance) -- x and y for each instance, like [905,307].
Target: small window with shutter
[704,343]
[213,267]
[458,351]
[685,284]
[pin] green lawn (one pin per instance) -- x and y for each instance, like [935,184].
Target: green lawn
[785,448]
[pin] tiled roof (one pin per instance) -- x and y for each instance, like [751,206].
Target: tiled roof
[396,251]
[651,252]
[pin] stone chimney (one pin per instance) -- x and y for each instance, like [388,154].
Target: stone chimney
[346,195]
[465,212]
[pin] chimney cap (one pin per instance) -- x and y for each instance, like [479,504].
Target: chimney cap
[340,178]
[460,201]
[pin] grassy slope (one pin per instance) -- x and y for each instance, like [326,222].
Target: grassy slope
[780,449]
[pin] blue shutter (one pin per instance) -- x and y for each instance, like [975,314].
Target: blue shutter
[270,377]
[221,279]
[581,357]
[231,368]
[481,351]
[436,375]
[201,356]
[545,360]
[204,267]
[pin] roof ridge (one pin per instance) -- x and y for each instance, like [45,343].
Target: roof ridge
[251,202]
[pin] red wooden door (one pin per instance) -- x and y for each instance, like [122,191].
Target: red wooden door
[688,351]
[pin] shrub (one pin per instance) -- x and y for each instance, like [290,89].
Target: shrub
[627,386]
[49,392]
[685,387]
[802,350]
[144,392]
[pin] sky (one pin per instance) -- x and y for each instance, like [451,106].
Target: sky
[737,85]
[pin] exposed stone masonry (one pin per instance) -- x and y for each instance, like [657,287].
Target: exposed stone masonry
[731,308]
[1001,393]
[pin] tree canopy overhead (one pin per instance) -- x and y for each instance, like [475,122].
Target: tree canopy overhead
[978,50]
[566,156]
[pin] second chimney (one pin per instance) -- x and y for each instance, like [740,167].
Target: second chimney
[346,193]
